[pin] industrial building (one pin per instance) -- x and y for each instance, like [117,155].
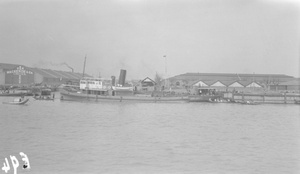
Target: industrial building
[147,84]
[20,75]
[292,86]
[226,81]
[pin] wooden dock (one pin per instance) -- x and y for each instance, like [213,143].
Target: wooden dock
[278,98]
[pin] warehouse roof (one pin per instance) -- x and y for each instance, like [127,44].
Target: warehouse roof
[8,66]
[233,74]
[291,83]
[58,74]
[48,73]
[225,82]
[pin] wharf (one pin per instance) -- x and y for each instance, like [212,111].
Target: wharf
[268,98]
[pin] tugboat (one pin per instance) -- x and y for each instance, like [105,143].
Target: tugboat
[99,89]
[95,89]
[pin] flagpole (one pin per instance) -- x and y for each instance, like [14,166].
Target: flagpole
[165,64]
[166,72]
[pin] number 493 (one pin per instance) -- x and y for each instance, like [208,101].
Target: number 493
[15,163]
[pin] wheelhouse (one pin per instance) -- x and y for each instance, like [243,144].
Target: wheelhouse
[97,86]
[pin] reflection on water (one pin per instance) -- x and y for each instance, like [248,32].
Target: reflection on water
[120,137]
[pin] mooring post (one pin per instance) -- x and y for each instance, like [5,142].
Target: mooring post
[243,96]
[284,97]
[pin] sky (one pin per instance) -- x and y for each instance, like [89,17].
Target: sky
[145,37]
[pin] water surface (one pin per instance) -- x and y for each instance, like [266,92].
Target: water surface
[120,137]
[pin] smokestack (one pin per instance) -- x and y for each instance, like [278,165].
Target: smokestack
[122,77]
[113,80]
[68,66]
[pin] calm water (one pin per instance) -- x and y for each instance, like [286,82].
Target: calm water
[114,137]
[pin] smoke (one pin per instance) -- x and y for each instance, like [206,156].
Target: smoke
[51,65]
[67,66]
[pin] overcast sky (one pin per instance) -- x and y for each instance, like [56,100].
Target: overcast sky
[206,36]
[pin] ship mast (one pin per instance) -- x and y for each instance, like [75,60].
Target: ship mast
[84,67]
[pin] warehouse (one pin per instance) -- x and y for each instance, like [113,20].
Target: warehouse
[227,85]
[20,75]
[292,86]
[15,74]
[226,81]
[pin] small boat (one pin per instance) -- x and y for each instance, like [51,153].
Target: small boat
[44,94]
[47,98]
[205,95]
[17,101]
[220,101]
[249,102]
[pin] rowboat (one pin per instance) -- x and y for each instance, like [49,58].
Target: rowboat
[249,102]
[17,102]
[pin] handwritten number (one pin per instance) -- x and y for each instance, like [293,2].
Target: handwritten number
[15,163]
[6,166]
[26,160]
